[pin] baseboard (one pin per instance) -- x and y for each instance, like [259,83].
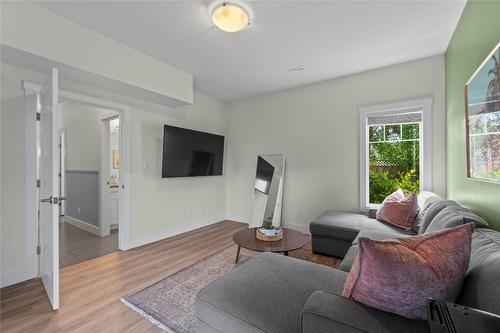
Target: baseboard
[113,226]
[16,275]
[82,225]
[298,227]
[173,232]
[240,219]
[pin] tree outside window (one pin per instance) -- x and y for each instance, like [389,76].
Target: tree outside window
[394,159]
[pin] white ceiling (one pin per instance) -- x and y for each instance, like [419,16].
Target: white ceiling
[329,38]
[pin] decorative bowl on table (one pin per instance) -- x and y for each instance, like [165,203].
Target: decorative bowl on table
[269,234]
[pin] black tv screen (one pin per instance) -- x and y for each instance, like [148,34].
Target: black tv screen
[188,153]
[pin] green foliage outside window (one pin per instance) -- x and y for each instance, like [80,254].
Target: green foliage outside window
[394,160]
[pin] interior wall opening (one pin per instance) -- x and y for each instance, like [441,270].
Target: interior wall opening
[89,178]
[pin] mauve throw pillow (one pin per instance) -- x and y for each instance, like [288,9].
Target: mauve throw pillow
[398,209]
[399,275]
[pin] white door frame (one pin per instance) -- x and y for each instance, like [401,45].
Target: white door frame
[125,113]
[62,170]
[104,171]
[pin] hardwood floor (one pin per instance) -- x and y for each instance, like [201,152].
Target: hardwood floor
[77,245]
[90,291]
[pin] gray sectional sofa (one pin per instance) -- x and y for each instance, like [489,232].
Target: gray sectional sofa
[274,293]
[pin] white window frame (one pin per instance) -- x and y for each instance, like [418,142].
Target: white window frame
[425,105]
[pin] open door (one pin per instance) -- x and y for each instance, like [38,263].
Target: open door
[49,187]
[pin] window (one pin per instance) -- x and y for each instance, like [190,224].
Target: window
[394,150]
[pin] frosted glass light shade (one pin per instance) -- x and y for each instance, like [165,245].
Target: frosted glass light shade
[230,17]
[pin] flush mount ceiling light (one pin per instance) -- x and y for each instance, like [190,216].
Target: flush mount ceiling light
[230,16]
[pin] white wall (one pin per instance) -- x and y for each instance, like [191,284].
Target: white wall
[13,230]
[160,207]
[163,207]
[83,135]
[316,127]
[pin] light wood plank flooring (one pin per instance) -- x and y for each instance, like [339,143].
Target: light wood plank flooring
[91,291]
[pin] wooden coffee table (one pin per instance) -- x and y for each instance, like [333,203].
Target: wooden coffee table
[292,240]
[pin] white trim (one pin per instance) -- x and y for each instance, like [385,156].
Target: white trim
[103,176]
[124,194]
[30,178]
[171,232]
[81,225]
[425,151]
[125,112]
[62,168]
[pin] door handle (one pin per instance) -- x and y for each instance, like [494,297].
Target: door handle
[47,200]
[53,200]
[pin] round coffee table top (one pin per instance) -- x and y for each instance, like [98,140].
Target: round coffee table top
[292,240]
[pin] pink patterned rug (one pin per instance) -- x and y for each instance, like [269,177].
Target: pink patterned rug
[169,303]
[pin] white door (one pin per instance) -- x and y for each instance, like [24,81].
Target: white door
[49,188]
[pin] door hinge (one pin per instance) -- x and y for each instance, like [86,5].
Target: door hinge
[38,183]
[37,116]
[38,250]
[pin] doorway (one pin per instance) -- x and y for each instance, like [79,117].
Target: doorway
[42,140]
[88,179]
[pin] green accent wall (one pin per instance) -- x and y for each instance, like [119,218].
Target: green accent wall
[477,33]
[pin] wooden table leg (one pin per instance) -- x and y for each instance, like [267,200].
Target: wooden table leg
[237,254]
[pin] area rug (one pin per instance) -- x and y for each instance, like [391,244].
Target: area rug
[169,303]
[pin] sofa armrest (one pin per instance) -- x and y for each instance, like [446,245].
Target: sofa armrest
[327,312]
[372,213]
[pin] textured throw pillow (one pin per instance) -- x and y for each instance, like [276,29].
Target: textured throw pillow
[399,275]
[398,209]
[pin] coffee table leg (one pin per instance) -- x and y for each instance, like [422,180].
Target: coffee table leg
[237,254]
[286,253]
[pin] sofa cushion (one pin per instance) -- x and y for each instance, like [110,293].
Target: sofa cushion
[349,258]
[481,287]
[425,200]
[430,213]
[347,225]
[377,235]
[398,209]
[399,275]
[327,312]
[266,293]
[454,215]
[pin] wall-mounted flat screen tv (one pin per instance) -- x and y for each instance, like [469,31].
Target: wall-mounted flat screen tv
[188,153]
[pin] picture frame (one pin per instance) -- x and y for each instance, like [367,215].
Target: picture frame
[482,120]
[116,159]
